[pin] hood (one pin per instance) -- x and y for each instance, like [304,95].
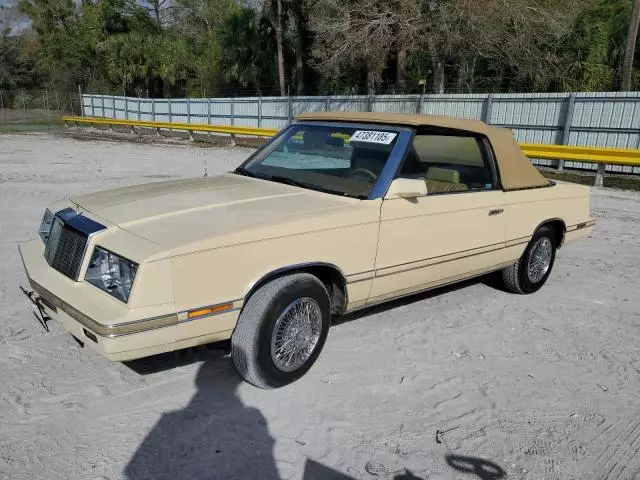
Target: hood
[211,212]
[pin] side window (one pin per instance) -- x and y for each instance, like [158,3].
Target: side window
[448,163]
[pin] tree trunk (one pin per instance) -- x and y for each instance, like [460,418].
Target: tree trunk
[401,70]
[300,53]
[629,51]
[371,81]
[157,11]
[278,28]
[438,69]
[302,42]
[470,75]
[462,76]
[438,75]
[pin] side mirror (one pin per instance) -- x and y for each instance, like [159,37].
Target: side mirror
[407,188]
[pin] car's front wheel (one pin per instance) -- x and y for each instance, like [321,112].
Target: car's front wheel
[281,330]
[533,268]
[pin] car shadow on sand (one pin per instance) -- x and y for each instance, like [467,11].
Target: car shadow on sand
[217,436]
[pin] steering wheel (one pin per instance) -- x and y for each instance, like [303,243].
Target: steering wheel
[366,171]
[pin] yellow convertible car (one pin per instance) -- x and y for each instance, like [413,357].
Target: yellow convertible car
[339,211]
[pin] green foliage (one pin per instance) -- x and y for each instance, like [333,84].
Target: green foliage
[246,44]
[228,47]
[595,46]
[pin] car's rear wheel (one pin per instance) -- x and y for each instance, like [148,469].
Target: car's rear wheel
[281,330]
[533,268]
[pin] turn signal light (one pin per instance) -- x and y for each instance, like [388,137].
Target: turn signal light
[202,312]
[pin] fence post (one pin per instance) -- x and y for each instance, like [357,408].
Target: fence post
[102,103]
[600,175]
[370,103]
[488,109]
[289,110]
[57,103]
[80,100]
[189,118]
[169,110]
[208,111]
[4,113]
[566,131]
[327,103]
[232,113]
[260,112]
[153,115]
[132,128]
[93,108]
[126,108]
[113,104]
[24,104]
[139,112]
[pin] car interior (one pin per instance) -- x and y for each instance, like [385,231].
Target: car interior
[447,164]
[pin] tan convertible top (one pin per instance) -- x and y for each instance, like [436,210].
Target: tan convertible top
[516,171]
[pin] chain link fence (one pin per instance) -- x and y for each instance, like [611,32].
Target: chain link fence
[17,106]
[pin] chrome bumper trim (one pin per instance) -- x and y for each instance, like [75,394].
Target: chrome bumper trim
[108,331]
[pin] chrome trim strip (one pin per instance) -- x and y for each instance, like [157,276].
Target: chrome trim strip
[518,241]
[588,224]
[108,331]
[351,282]
[360,273]
[435,263]
[580,226]
[499,245]
[426,289]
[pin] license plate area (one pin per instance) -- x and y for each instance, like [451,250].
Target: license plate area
[38,307]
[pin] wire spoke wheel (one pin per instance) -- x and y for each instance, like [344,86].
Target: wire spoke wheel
[296,334]
[539,259]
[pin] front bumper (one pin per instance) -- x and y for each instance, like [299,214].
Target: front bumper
[94,317]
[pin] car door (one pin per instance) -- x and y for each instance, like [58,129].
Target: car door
[456,231]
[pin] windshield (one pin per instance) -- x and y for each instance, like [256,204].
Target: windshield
[344,160]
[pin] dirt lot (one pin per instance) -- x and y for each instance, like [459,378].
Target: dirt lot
[542,386]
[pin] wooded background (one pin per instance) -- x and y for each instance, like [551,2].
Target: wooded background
[210,48]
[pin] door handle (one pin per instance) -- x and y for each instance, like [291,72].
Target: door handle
[496,211]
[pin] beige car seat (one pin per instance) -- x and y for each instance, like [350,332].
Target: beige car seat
[442,180]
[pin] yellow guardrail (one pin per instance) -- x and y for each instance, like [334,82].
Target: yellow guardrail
[600,155]
[190,127]
[616,156]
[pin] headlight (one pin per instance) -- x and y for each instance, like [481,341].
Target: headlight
[45,225]
[111,273]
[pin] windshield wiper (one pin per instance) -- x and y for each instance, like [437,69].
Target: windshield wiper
[317,188]
[245,172]
[295,183]
[289,181]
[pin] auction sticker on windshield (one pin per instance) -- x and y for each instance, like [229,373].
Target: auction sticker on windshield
[372,136]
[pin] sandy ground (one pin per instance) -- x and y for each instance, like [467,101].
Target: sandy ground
[541,386]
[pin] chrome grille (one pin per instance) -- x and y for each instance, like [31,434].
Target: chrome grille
[65,249]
